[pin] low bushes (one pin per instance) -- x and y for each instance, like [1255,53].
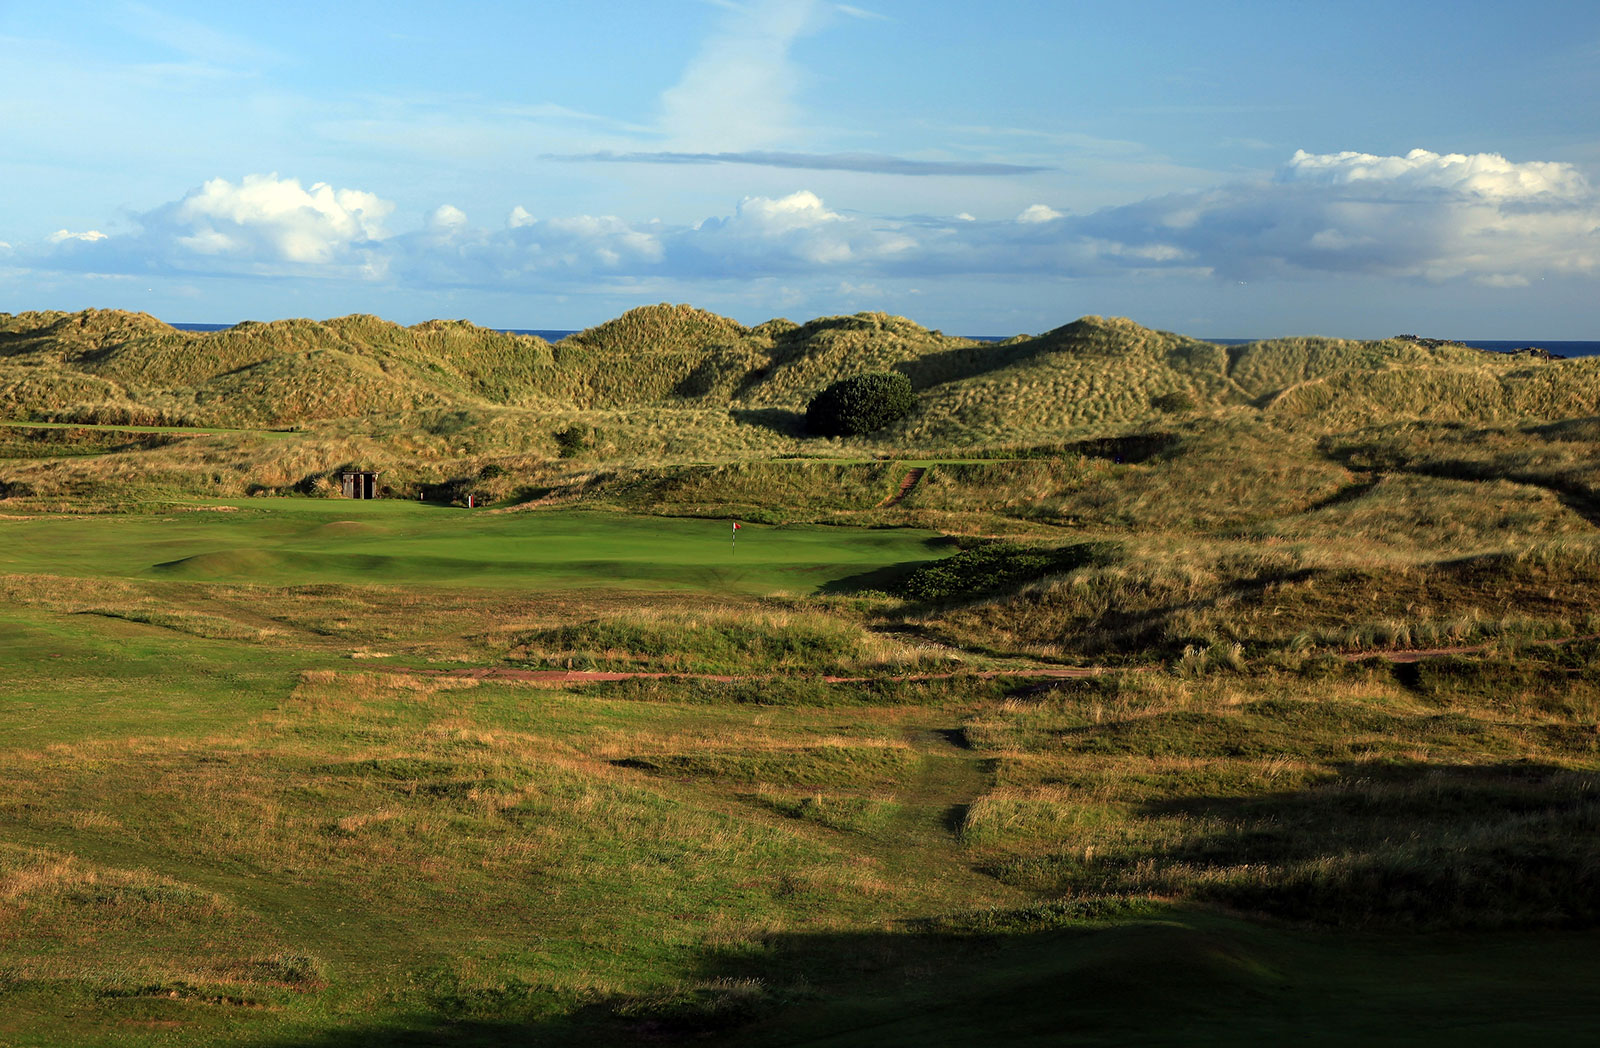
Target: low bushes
[861,404]
[997,566]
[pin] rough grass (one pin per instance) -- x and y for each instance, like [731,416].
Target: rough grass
[246,796]
[1348,802]
[671,383]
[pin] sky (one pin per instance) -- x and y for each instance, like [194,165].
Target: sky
[1227,169]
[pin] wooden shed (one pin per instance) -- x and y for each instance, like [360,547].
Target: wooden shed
[360,483]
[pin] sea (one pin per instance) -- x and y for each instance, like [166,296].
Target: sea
[1561,348]
[1556,347]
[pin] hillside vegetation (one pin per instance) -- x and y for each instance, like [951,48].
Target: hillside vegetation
[1132,689]
[84,367]
[664,384]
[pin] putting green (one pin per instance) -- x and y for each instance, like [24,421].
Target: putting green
[390,542]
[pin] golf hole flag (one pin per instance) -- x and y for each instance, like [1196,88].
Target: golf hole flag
[736,534]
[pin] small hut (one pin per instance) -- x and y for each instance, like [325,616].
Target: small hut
[360,483]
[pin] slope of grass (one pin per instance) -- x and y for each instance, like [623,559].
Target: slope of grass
[276,770]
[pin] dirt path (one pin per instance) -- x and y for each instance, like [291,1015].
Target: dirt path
[1407,655]
[910,481]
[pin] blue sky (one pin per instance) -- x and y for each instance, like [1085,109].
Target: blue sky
[1225,169]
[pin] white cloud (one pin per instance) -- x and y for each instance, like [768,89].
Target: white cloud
[268,219]
[1036,213]
[785,234]
[1475,219]
[1425,215]
[1481,174]
[447,218]
[801,210]
[738,91]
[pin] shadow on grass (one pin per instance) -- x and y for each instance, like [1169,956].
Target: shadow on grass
[1374,845]
[779,420]
[1063,973]
[886,579]
[964,362]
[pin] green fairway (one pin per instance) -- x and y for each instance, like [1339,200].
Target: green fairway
[299,542]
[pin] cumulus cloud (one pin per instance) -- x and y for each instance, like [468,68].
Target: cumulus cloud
[447,218]
[451,251]
[1036,213]
[1426,215]
[261,225]
[269,219]
[768,216]
[1421,216]
[770,232]
[1481,174]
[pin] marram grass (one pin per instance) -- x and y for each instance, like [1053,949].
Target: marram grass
[272,769]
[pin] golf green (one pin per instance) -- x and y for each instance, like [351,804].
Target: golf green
[390,542]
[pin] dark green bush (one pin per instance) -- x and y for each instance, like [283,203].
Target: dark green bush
[575,439]
[998,566]
[861,404]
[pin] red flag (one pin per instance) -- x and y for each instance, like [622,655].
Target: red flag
[736,525]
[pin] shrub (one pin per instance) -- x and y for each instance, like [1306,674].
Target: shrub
[997,566]
[861,404]
[1175,402]
[575,439]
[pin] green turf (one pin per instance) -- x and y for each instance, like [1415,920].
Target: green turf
[382,542]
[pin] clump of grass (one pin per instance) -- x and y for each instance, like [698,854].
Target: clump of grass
[851,813]
[835,765]
[708,640]
[76,890]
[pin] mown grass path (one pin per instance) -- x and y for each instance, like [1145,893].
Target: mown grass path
[949,778]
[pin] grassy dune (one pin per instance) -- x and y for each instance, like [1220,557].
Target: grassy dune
[278,768]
